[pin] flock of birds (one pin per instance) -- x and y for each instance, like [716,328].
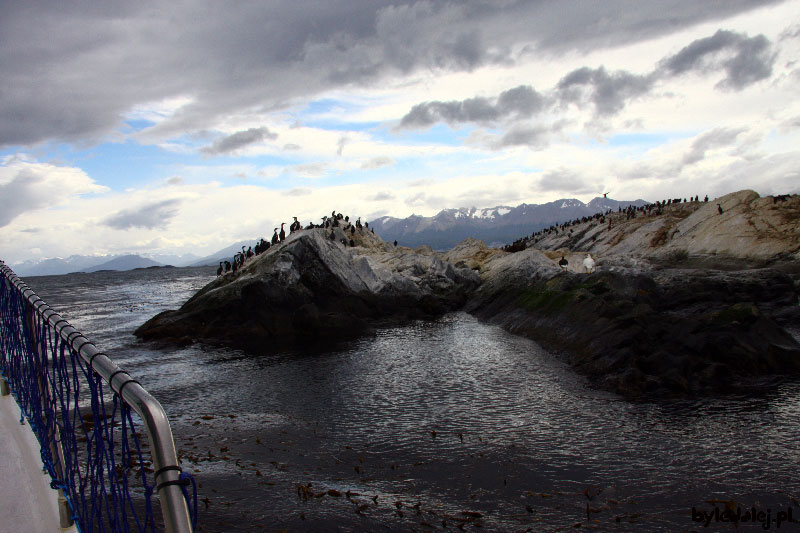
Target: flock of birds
[652,209]
[335,220]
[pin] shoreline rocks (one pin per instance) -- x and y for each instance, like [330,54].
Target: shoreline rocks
[652,321]
[313,289]
[668,313]
[641,335]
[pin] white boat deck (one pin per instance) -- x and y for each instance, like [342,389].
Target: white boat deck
[27,503]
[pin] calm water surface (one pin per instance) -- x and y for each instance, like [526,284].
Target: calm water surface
[432,425]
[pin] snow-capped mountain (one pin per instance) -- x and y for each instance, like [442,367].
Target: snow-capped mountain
[495,225]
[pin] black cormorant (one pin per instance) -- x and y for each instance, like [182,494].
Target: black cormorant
[219,270]
[275,237]
[282,234]
[719,208]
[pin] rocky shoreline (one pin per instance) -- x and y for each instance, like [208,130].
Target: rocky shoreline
[312,289]
[650,324]
[666,333]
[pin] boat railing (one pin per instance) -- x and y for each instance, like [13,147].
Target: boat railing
[79,404]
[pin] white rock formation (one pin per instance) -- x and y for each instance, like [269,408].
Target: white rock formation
[750,227]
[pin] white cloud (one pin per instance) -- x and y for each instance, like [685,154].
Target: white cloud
[29,186]
[685,97]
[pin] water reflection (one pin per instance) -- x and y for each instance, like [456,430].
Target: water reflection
[452,416]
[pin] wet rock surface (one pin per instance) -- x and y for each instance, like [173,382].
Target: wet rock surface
[672,332]
[311,289]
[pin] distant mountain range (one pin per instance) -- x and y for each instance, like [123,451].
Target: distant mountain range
[496,226]
[125,262]
[226,253]
[93,263]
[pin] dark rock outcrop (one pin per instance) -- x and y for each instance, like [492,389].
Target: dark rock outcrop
[314,289]
[670,332]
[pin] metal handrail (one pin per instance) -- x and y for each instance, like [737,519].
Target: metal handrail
[174,506]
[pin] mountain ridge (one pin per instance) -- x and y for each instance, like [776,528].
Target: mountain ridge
[57,266]
[496,226]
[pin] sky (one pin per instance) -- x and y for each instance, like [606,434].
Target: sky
[177,127]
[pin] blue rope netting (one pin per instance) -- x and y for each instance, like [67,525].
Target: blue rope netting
[89,441]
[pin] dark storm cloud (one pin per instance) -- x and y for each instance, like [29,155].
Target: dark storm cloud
[716,138]
[22,193]
[240,139]
[607,92]
[151,216]
[76,86]
[524,136]
[520,102]
[745,60]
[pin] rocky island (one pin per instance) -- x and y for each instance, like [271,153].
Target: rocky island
[314,288]
[684,298]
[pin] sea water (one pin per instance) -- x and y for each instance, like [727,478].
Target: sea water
[435,425]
